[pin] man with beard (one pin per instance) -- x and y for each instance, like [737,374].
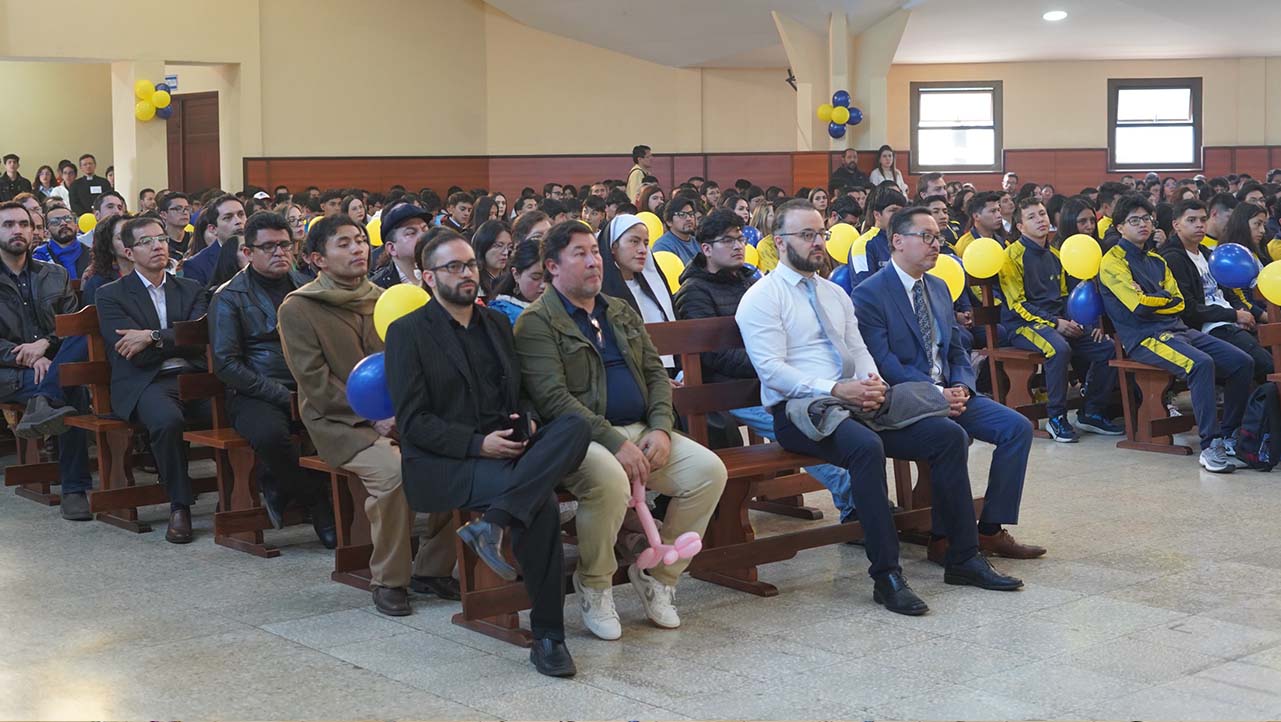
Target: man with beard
[804,341]
[682,217]
[228,213]
[62,247]
[326,328]
[467,443]
[848,175]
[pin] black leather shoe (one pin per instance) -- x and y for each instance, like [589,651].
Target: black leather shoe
[179,531]
[487,541]
[893,592]
[392,601]
[322,520]
[443,587]
[977,571]
[275,503]
[551,657]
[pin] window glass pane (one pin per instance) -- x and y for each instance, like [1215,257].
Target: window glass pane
[943,109]
[1147,105]
[1155,146]
[941,148]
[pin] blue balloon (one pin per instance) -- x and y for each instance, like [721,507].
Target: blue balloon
[751,235]
[165,112]
[841,98]
[1084,304]
[836,130]
[164,86]
[841,277]
[1234,266]
[753,272]
[367,389]
[856,117]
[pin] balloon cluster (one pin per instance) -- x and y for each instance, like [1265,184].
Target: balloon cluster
[838,114]
[367,391]
[153,101]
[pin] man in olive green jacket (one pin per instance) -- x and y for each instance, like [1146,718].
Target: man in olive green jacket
[585,353]
[326,328]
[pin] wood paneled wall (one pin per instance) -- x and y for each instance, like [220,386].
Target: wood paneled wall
[1069,170]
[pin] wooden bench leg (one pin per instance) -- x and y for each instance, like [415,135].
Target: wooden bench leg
[730,525]
[1019,396]
[351,557]
[239,520]
[32,477]
[491,605]
[1150,416]
[114,450]
[793,506]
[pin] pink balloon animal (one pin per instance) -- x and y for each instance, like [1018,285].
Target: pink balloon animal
[685,546]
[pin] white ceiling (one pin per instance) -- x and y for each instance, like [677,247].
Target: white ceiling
[741,33]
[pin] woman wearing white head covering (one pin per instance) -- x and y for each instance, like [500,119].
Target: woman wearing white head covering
[631,274]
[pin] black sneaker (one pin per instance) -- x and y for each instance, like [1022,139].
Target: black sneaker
[1096,424]
[42,419]
[1061,430]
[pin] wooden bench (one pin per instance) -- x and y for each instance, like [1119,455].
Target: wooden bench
[35,475]
[355,545]
[118,496]
[1148,424]
[1270,337]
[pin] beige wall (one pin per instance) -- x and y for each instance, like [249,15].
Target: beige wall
[1064,104]
[55,111]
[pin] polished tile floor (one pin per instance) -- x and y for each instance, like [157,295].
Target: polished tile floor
[1160,598]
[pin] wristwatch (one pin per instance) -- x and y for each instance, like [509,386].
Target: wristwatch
[155,337]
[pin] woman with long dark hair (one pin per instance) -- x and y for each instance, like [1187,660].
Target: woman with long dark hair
[963,196]
[233,257]
[492,243]
[522,284]
[486,209]
[1245,227]
[353,206]
[1076,217]
[108,259]
[44,183]
[885,170]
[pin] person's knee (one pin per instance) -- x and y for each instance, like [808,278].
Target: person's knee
[604,485]
[574,430]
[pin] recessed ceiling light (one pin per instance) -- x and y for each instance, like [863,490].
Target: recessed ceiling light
[1054,16]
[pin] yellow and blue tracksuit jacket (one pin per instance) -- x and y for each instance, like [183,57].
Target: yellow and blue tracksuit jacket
[1140,294]
[1033,285]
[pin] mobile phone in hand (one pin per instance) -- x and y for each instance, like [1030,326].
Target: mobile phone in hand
[520,427]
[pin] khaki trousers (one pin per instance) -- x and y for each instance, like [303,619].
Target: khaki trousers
[694,477]
[391,522]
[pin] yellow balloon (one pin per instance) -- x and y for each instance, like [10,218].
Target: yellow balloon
[654,225]
[160,99]
[189,228]
[751,256]
[144,110]
[87,222]
[375,231]
[670,264]
[984,258]
[143,89]
[313,221]
[825,112]
[838,246]
[1270,282]
[1081,255]
[396,302]
[840,115]
[949,269]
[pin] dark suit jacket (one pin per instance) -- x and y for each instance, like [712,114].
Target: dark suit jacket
[888,326]
[436,410]
[125,304]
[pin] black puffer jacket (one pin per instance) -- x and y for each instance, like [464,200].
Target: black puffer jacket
[246,341]
[709,295]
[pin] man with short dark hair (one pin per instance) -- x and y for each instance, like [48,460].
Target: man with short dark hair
[554,191]
[228,214]
[402,225]
[62,247]
[11,181]
[555,210]
[1219,207]
[146,200]
[326,328]
[593,212]
[1144,302]
[1252,192]
[331,202]
[137,314]
[681,214]
[175,211]
[931,184]
[86,189]
[642,160]
[847,174]
[870,254]
[458,211]
[1010,183]
[248,358]
[711,195]
[588,354]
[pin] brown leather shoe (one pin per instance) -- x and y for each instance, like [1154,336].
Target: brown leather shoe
[392,601]
[936,551]
[179,527]
[1002,544]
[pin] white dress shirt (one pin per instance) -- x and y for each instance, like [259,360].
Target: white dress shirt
[936,361]
[157,294]
[785,340]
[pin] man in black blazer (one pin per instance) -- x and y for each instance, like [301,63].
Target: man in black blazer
[456,383]
[136,315]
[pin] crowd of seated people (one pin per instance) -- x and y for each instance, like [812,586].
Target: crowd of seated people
[530,370]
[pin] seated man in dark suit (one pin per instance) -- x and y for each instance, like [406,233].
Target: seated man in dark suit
[249,360]
[455,380]
[906,320]
[136,315]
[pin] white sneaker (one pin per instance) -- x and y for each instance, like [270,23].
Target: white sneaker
[1215,458]
[1230,448]
[1173,410]
[597,606]
[657,597]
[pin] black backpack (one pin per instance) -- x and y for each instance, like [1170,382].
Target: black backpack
[1259,438]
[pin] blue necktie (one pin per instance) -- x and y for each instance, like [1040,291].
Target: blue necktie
[828,329]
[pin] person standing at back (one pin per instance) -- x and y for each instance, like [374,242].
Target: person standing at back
[86,189]
[642,160]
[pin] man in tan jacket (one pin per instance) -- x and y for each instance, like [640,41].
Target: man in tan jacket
[326,328]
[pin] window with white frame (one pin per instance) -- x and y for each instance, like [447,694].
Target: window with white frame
[1154,124]
[956,126]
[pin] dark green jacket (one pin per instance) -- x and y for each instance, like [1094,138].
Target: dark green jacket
[564,373]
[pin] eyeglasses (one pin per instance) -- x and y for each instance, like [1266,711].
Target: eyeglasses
[150,241]
[685,214]
[178,209]
[456,267]
[808,235]
[730,240]
[1137,221]
[930,239]
[271,248]
[61,221]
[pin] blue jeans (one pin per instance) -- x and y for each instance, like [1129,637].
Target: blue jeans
[73,444]
[836,479]
[73,349]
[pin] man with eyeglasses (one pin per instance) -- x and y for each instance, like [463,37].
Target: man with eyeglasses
[712,287]
[62,247]
[803,338]
[587,354]
[228,220]
[245,341]
[682,217]
[175,211]
[402,226]
[1145,304]
[137,314]
[326,327]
